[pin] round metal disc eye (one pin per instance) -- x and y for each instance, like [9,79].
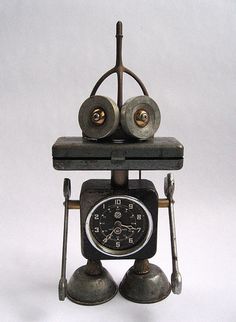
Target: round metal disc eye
[98,117]
[140,117]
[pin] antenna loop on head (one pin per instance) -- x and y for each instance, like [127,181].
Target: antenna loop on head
[119,69]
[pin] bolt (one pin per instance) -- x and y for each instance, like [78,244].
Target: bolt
[141,118]
[98,116]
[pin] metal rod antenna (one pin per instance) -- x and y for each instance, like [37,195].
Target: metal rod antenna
[119,69]
[119,64]
[119,36]
[120,89]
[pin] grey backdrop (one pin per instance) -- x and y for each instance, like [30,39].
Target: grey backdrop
[51,54]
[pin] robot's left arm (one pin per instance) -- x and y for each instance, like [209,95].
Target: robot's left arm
[176,279]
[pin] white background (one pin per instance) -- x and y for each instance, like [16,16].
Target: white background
[51,55]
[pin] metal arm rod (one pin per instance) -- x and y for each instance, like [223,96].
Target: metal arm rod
[176,279]
[63,281]
[173,237]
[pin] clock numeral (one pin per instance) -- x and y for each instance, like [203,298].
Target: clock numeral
[139,229]
[96,216]
[131,241]
[117,201]
[96,229]
[131,206]
[139,217]
[117,244]
[103,206]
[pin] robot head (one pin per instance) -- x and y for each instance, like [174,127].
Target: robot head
[100,117]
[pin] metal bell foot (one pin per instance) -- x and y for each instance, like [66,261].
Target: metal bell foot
[145,283]
[91,284]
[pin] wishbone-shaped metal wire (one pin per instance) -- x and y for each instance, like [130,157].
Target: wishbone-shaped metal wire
[119,69]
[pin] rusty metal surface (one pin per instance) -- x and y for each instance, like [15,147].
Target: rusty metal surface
[119,178]
[141,266]
[73,204]
[163,203]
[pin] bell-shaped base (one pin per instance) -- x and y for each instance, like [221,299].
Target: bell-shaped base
[149,287]
[87,289]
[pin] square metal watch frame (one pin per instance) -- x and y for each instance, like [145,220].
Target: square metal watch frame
[95,190]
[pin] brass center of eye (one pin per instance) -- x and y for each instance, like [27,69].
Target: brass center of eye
[98,116]
[141,118]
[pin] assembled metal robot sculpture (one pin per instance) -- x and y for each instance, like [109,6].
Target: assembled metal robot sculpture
[119,216]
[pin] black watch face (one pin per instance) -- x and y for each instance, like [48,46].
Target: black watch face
[119,226]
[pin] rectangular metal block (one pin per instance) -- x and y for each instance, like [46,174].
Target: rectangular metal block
[76,153]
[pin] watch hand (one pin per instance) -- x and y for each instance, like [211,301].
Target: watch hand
[108,236]
[129,227]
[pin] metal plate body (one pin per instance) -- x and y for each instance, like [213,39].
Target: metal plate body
[76,153]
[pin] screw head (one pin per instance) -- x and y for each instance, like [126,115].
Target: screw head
[141,118]
[98,116]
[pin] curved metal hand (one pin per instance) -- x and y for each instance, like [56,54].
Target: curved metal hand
[119,69]
[129,227]
[120,225]
[108,236]
[176,279]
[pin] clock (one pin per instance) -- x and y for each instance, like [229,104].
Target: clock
[119,223]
